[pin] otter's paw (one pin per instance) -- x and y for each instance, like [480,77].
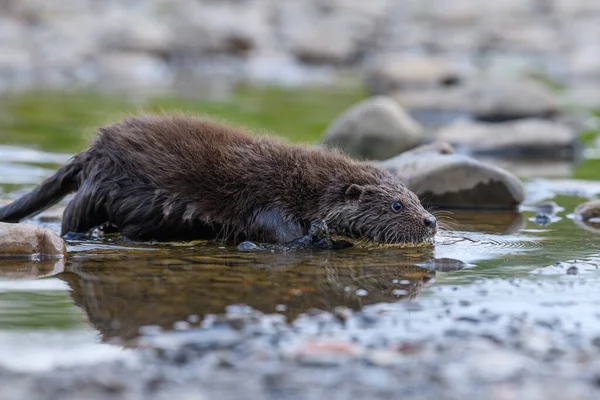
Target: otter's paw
[76,236]
[319,236]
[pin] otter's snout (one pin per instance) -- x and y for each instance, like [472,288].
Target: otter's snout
[430,222]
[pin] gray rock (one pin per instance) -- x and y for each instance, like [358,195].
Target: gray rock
[542,219]
[376,128]
[229,27]
[588,211]
[546,207]
[528,137]
[137,33]
[399,72]
[457,181]
[333,32]
[437,147]
[493,99]
[121,70]
[29,240]
[503,99]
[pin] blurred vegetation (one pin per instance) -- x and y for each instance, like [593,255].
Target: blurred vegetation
[589,169]
[65,122]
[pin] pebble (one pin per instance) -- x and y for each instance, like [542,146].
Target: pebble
[548,207]
[542,219]
[572,270]
[383,358]
[247,246]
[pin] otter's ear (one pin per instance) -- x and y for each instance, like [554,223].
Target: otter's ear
[353,192]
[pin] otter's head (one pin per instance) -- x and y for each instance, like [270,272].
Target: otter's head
[386,212]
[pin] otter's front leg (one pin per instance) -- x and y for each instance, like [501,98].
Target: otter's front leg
[318,237]
[271,226]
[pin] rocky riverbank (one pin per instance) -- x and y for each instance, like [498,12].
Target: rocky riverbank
[463,343]
[202,47]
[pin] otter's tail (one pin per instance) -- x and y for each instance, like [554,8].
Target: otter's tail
[50,192]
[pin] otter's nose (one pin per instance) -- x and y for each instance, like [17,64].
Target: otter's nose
[430,221]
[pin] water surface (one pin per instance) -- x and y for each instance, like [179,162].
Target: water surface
[91,307]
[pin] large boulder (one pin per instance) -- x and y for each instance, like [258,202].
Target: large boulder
[376,128]
[27,240]
[456,181]
[527,137]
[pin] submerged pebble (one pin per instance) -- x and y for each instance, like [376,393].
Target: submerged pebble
[548,207]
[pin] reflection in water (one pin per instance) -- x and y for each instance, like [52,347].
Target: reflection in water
[11,269]
[121,293]
[589,226]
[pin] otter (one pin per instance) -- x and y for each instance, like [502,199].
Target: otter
[170,178]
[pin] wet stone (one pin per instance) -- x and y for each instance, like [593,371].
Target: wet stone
[31,241]
[548,207]
[572,270]
[542,219]
[588,211]
[457,181]
[248,246]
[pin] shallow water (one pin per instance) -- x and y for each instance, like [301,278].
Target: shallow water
[89,308]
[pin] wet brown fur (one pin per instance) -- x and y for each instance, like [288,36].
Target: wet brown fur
[177,177]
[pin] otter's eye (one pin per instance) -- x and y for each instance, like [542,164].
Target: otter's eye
[397,206]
